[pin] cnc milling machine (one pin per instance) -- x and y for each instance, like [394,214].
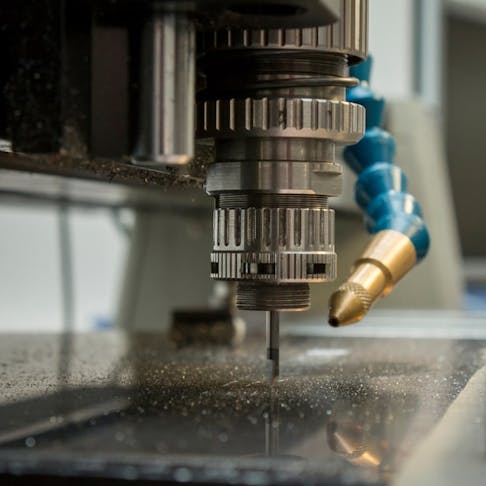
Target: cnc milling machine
[259,104]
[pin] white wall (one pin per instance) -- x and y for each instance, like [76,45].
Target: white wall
[406,42]
[30,267]
[391,45]
[30,290]
[99,251]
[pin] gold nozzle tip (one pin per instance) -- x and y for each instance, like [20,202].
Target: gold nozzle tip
[333,320]
[347,305]
[386,259]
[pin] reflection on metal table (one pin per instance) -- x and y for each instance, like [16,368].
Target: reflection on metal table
[346,410]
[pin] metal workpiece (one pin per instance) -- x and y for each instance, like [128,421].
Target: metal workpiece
[275,105]
[166,131]
[388,258]
[393,410]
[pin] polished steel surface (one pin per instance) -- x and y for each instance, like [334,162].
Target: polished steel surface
[343,411]
[273,176]
[168,88]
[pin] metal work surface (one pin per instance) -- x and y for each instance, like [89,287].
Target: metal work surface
[47,178]
[344,410]
[113,171]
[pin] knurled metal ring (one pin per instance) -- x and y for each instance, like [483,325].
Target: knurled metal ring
[359,291]
[339,121]
[348,36]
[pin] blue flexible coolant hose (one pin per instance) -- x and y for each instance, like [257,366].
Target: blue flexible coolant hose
[381,187]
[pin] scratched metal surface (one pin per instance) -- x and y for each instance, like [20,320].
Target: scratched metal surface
[345,411]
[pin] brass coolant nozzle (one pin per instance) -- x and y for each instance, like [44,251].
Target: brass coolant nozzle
[388,257]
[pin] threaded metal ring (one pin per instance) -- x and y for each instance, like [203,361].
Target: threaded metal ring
[244,201]
[290,297]
[316,82]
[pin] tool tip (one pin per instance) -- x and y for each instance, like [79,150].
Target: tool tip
[347,306]
[333,321]
[273,338]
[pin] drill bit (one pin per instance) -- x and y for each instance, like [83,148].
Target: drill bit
[273,335]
